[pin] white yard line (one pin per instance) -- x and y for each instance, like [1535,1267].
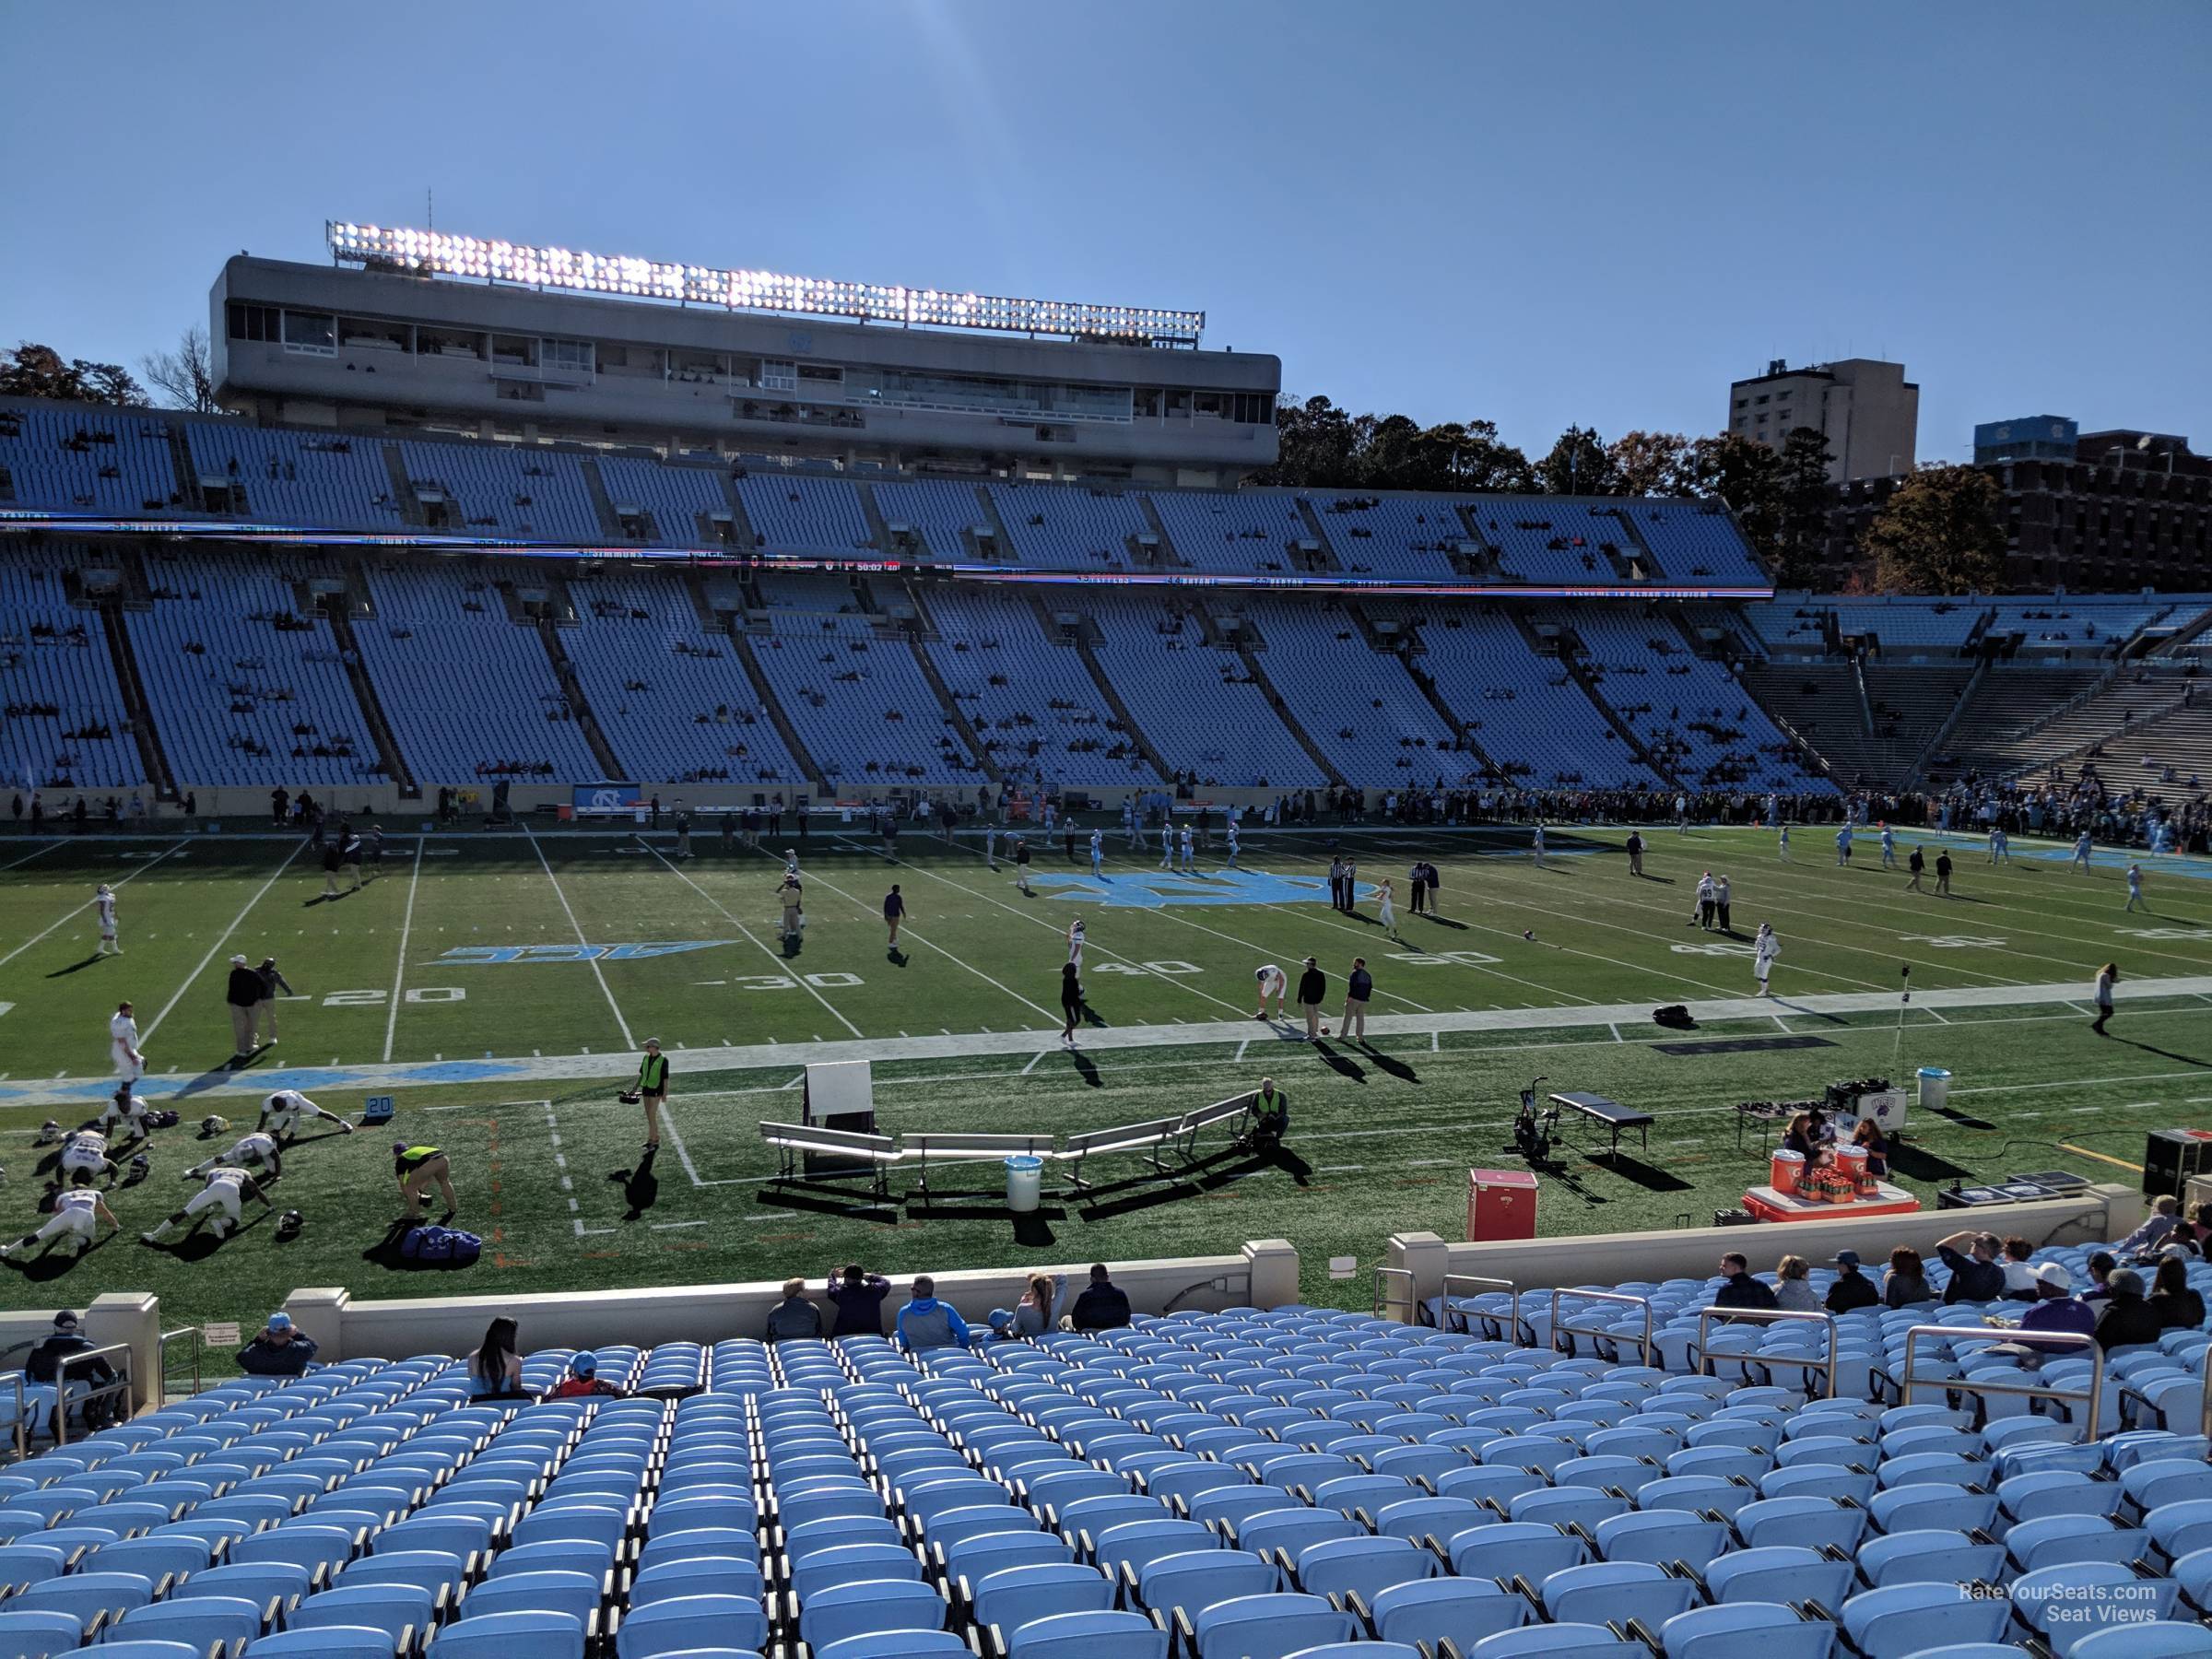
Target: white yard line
[221,939]
[399,972]
[86,905]
[39,852]
[605,990]
[759,944]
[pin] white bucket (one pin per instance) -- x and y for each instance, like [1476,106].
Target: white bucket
[1025,1183]
[1935,1088]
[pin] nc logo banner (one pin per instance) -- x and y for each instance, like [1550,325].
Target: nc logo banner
[603,797]
[1157,890]
[471,954]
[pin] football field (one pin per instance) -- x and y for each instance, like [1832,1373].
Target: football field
[499,987]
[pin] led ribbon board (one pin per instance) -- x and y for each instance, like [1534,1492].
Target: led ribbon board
[439,254]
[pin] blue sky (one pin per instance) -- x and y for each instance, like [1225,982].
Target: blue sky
[1537,213]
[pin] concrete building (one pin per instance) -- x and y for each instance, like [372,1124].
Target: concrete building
[377,349]
[1868,411]
[2124,509]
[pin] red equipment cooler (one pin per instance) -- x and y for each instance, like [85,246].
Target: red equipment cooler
[1501,1203]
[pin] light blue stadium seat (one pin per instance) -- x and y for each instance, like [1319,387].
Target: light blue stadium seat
[1779,1573]
[1929,1557]
[1268,1626]
[199,1622]
[702,1575]
[694,1622]
[1467,1611]
[869,1607]
[1363,1565]
[1746,1630]
[1185,1582]
[1908,1619]
[538,1635]
[1512,1549]
[1613,1593]
[976,1557]
[1555,1642]
[28,1635]
[2146,1641]
[1076,1635]
[85,1594]
[22,1564]
[137,1650]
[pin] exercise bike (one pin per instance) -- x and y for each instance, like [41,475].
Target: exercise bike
[1532,1129]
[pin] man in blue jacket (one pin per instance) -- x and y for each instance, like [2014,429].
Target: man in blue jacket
[926,1322]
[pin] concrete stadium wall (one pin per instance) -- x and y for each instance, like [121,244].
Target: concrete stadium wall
[1264,1273]
[2102,1213]
[132,1318]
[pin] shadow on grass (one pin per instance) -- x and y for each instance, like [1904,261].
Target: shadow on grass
[1916,1163]
[1648,1176]
[54,1264]
[641,1187]
[77,966]
[817,1198]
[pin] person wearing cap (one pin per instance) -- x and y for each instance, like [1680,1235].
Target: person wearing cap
[44,1364]
[1853,1289]
[794,1316]
[652,1087]
[582,1381]
[279,1349]
[418,1169]
[264,1011]
[857,1295]
[2055,1309]
[243,995]
[2128,1319]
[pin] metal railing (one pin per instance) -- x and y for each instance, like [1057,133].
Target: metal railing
[1558,1330]
[1401,1280]
[2093,1396]
[1769,1316]
[198,1348]
[68,1399]
[18,1425]
[1475,1283]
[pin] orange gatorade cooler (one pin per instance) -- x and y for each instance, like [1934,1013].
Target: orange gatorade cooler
[1786,1172]
[1850,1165]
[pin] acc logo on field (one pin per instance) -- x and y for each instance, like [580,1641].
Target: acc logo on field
[1951,941]
[2165,933]
[1158,889]
[473,955]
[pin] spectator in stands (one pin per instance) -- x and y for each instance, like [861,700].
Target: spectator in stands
[277,1350]
[2057,1309]
[243,993]
[1739,1288]
[1906,1283]
[1972,1259]
[44,1364]
[2020,1283]
[795,1315]
[2200,1230]
[2178,1307]
[1102,1306]
[582,1381]
[2127,1319]
[1312,985]
[2164,1213]
[1794,1286]
[495,1370]
[926,1322]
[1038,1310]
[1853,1289]
[2101,1264]
[858,1295]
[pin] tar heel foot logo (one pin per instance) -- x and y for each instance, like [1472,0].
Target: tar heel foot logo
[1157,889]
[478,955]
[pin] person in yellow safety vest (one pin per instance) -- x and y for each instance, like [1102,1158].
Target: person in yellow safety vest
[1270,1116]
[417,1167]
[652,1087]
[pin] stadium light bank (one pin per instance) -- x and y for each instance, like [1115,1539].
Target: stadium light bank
[441,254]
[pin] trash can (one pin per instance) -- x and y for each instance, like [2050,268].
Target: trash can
[1935,1088]
[1025,1183]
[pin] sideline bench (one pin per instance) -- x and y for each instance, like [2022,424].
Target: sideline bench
[1199,1119]
[793,1142]
[1149,1136]
[948,1148]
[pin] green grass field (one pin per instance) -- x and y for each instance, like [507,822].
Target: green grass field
[421,986]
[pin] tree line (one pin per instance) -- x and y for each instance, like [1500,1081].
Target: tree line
[1941,532]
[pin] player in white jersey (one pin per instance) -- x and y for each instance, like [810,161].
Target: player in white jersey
[1539,844]
[1888,848]
[257,1153]
[2081,852]
[124,1111]
[1167,844]
[283,1113]
[1075,942]
[2134,887]
[1274,984]
[103,905]
[991,846]
[75,1216]
[123,1045]
[791,864]
[84,1155]
[1681,815]
[1386,910]
[220,1204]
[2000,845]
[1782,846]
[1097,852]
[1233,847]
[1187,844]
[1764,949]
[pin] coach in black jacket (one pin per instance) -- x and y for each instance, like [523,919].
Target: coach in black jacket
[1312,986]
